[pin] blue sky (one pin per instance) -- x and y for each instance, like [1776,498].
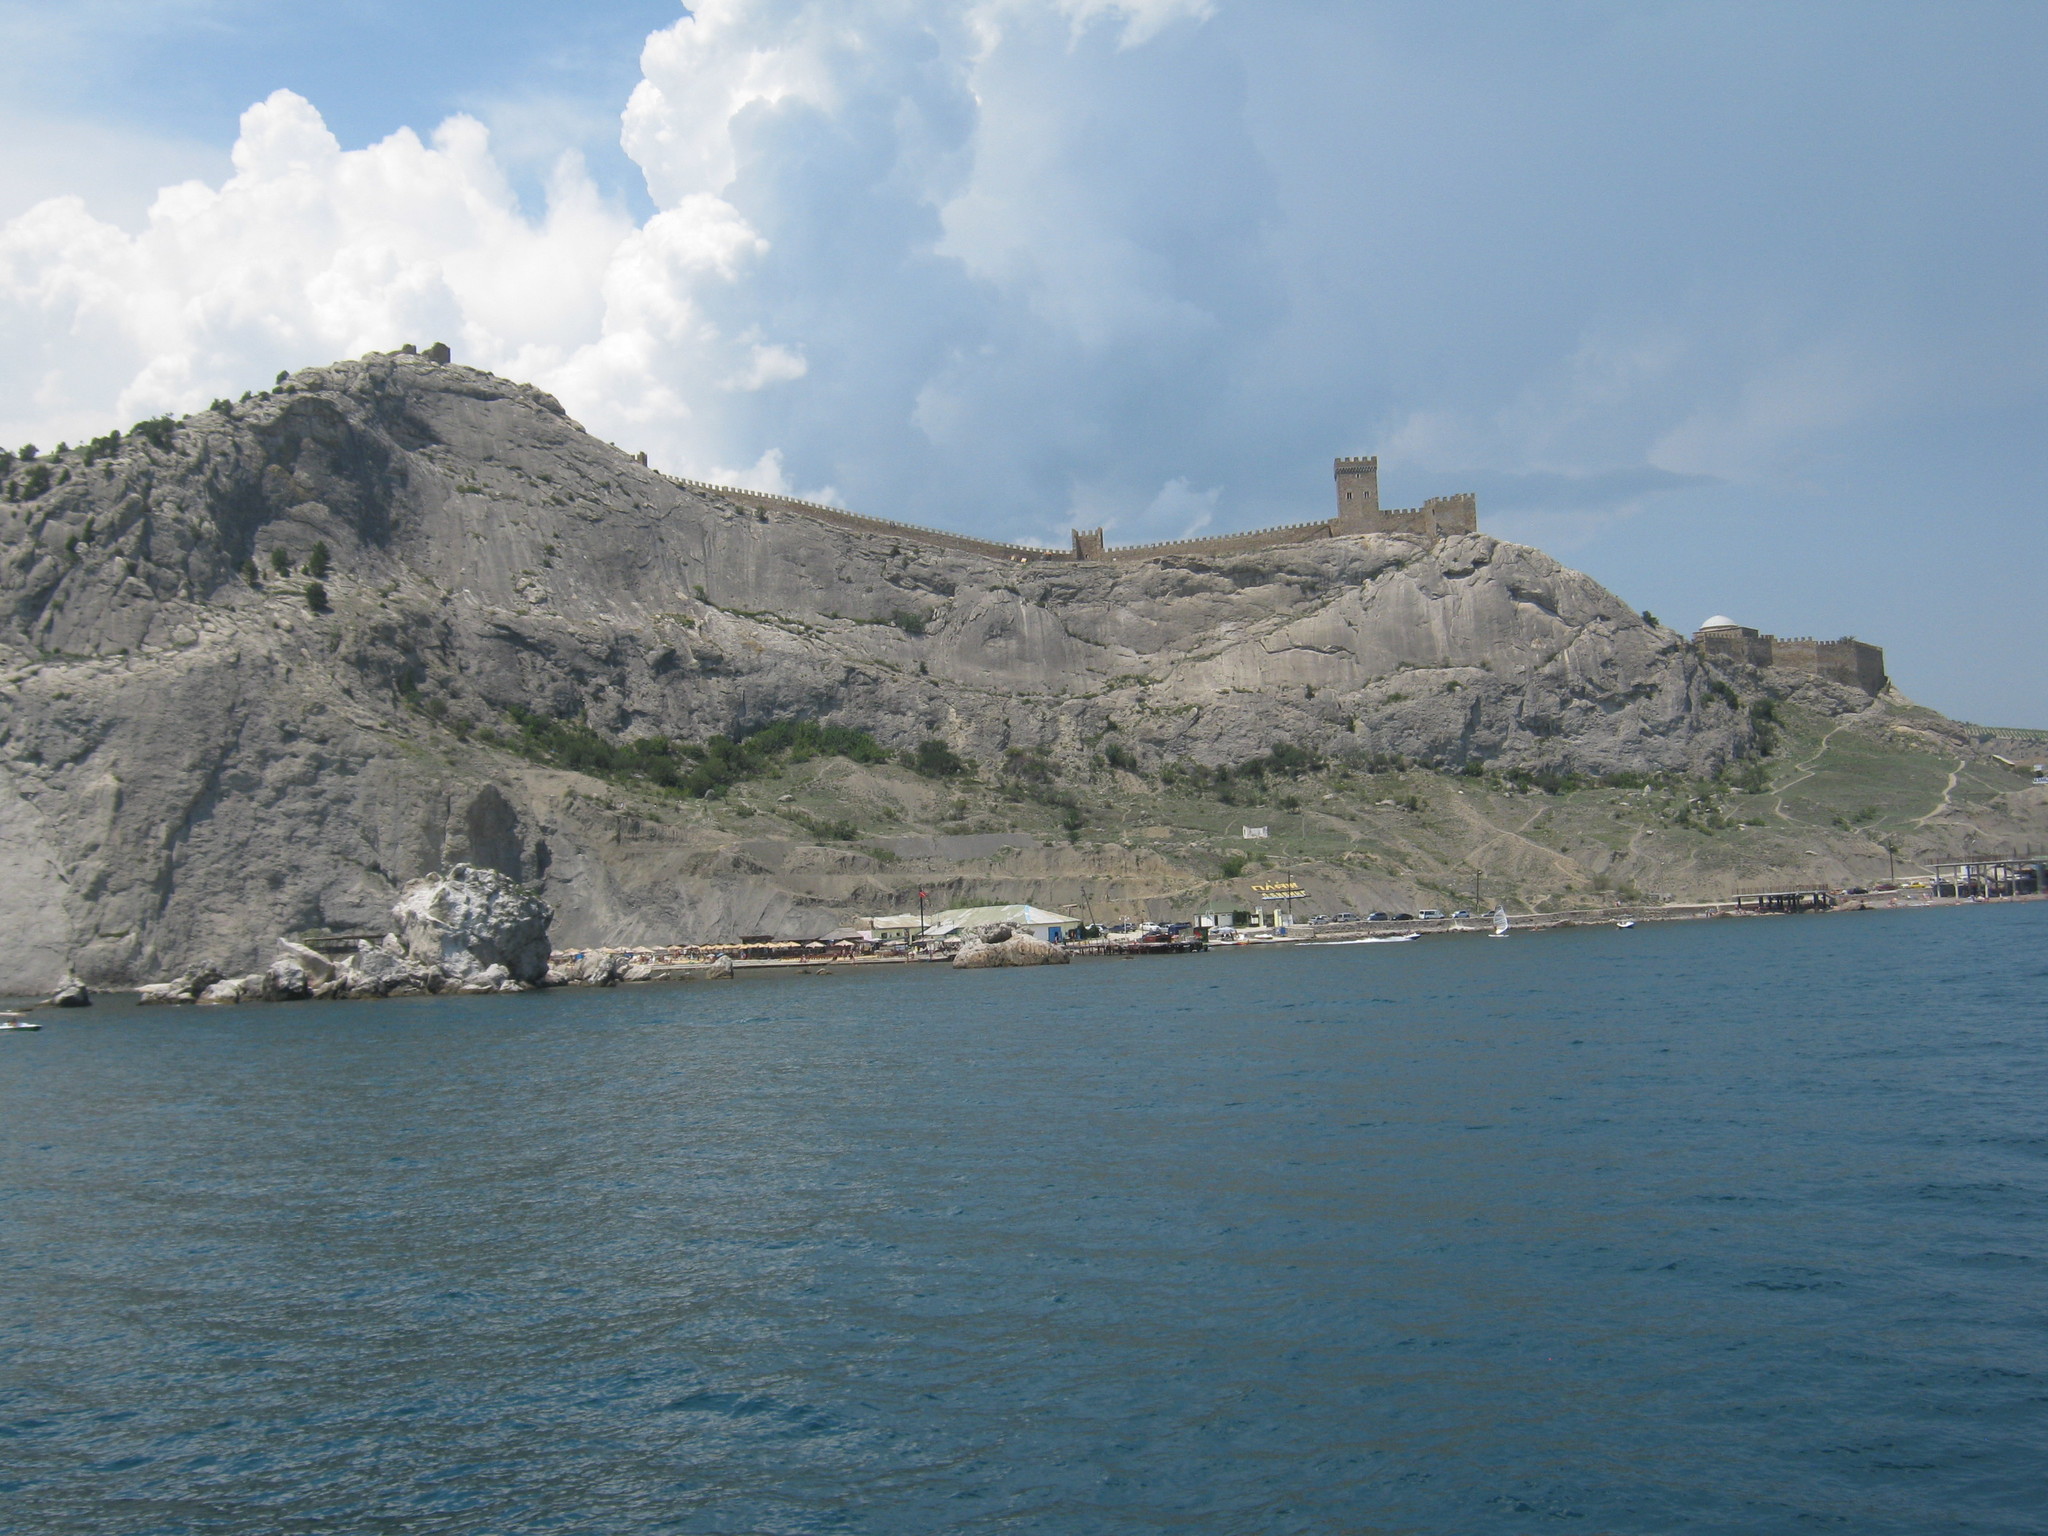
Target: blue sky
[1738,307]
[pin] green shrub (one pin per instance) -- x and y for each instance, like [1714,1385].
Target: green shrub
[1284,760]
[156,431]
[935,760]
[1233,865]
[696,772]
[316,597]
[1550,781]
[910,623]
[316,562]
[281,561]
[1748,776]
[1763,720]
[1031,767]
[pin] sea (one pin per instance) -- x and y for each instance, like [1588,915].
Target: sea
[1734,1226]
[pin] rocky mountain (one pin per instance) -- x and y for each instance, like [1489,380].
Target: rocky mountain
[265,664]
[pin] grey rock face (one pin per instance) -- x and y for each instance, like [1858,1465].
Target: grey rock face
[71,993]
[286,982]
[374,971]
[470,920]
[193,763]
[310,963]
[599,968]
[188,988]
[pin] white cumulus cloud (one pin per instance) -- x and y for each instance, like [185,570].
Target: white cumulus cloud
[887,233]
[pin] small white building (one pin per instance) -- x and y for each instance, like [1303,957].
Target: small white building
[903,926]
[1020,916]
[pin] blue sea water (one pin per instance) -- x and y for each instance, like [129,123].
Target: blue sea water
[1716,1227]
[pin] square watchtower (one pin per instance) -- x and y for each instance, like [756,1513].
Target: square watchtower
[1358,495]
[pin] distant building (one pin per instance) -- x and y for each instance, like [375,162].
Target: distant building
[1019,916]
[1848,660]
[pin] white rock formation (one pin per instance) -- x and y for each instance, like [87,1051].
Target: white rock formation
[469,920]
[1015,949]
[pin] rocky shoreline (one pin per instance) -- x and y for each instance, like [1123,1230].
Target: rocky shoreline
[474,932]
[470,930]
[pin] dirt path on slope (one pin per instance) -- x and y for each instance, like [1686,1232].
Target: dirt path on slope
[1806,771]
[1948,789]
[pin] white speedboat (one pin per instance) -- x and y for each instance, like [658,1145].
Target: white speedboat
[19,1021]
[1372,938]
[1626,922]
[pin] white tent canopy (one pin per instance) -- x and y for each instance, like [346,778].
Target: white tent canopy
[1016,913]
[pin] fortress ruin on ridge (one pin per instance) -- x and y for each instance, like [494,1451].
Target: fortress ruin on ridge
[1849,661]
[1358,512]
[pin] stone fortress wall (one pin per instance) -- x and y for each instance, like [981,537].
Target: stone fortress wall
[1358,512]
[1848,660]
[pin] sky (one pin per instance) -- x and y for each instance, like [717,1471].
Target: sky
[1740,308]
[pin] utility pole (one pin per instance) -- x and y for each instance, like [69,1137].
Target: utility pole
[920,914]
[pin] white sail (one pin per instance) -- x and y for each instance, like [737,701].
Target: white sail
[1500,921]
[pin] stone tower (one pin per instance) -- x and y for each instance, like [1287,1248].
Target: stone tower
[1358,495]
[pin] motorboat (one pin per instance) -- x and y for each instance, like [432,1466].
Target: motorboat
[19,1021]
[1626,922]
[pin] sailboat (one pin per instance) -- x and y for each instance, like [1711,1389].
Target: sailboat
[1500,923]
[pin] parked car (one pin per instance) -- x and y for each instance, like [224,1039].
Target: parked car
[1377,917]
[1318,920]
[1460,915]
[1430,915]
[1345,917]
[1404,917]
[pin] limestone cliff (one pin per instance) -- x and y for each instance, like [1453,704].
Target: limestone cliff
[195,761]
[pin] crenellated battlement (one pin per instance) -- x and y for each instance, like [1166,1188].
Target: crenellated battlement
[1849,661]
[1358,513]
[860,522]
